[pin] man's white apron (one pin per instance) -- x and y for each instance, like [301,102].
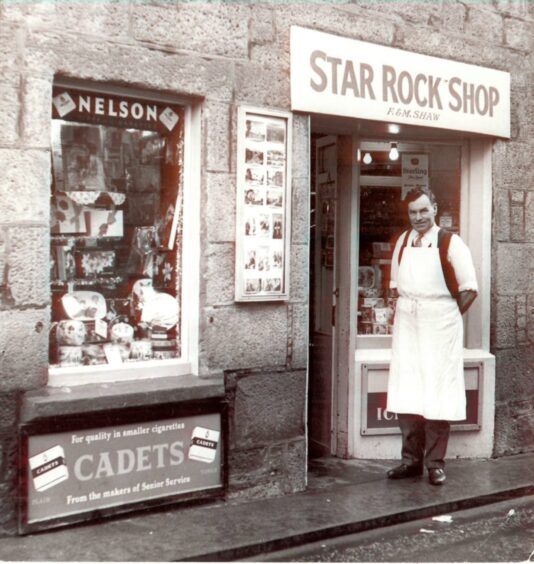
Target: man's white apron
[426,375]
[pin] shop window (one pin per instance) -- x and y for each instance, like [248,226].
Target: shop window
[383,183]
[116,231]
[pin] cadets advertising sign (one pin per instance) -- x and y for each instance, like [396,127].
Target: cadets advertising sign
[80,472]
[345,77]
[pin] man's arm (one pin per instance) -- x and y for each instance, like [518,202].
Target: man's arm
[465,299]
[464,269]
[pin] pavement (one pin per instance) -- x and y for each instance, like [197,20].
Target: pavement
[343,497]
[499,532]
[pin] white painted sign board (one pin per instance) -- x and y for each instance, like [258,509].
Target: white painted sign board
[339,76]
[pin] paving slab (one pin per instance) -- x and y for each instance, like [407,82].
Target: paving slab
[343,497]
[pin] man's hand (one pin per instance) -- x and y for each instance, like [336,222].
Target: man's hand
[465,299]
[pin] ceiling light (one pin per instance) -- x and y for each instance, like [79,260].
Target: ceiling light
[367,159]
[394,152]
[393,128]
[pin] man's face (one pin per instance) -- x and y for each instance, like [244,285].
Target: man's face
[422,214]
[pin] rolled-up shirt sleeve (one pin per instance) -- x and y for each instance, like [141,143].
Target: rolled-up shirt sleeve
[460,257]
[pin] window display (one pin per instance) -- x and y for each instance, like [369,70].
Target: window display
[116,222]
[383,183]
[380,221]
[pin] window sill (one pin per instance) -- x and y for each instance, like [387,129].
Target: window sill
[97,397]
[384,355]
[82,375]
[373,342]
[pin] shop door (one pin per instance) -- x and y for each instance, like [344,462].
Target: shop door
[323,293]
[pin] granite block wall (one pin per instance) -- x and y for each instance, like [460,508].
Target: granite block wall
[512,319]
[225,54]
[267,431]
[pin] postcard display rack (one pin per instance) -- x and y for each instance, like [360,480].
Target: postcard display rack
[263,204]
[116,229]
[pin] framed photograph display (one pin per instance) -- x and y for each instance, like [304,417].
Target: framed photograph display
[263,223]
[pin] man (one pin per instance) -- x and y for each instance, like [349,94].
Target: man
[426,382]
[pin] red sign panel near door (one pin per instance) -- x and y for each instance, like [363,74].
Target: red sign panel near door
[379,418]
[376,420]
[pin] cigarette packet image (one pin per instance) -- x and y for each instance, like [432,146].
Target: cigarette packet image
[48,468]
[168,118]
[203,446]
[63,103]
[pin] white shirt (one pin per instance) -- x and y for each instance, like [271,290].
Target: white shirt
[459,256]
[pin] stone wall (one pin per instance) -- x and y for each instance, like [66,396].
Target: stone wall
[227,54]
[267,453]
[513,268]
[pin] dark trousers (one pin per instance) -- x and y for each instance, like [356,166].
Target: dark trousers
[424,441]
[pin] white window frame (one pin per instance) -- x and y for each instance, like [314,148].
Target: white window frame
[190,297]
[475,229]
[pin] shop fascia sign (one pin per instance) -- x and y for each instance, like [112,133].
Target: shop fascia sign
[79,105]
[345,77]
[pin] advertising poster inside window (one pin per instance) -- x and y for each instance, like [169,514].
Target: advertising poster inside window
[415,172]
[263,205]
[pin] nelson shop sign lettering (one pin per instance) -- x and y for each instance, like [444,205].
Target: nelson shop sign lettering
[88,107]
[340,76]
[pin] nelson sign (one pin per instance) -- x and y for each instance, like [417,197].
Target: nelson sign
[345,77]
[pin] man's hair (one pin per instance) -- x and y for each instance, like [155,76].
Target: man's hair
[416,193]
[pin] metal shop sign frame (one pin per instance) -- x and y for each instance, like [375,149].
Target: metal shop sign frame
[376,420]
[82,467]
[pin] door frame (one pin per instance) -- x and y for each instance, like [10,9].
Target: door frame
[345,290]
[322,142]
[476,180]
[347,244]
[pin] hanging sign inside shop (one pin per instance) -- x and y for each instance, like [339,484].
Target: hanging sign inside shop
[414,172]
[345,77]
[122,111]
[69,475]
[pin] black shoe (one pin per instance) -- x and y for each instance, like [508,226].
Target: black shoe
[436,476]
[405,471]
